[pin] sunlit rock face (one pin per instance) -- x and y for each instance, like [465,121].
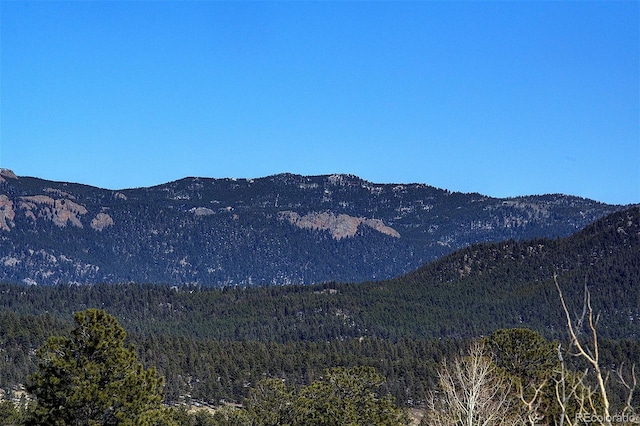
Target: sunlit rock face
[340,225]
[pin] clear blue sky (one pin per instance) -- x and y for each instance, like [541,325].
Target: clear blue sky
[501,98]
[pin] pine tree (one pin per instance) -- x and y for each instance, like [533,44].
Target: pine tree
[347,397]
[91,378]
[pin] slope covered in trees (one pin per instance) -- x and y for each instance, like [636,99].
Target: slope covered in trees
[512,377]
[294,229]
[471,292]
[214,344]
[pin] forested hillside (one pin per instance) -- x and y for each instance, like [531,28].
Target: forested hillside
[283,229]
[212,344]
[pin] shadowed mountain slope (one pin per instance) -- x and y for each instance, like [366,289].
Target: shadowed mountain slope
[282,229]
[471,292]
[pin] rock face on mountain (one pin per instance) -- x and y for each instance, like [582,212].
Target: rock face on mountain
[340,226]
[281,229]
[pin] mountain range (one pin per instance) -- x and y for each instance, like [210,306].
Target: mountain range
[281,229]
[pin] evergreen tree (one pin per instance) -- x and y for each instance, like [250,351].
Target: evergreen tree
[91,378]
[270,403]
[347,397]
[532,366]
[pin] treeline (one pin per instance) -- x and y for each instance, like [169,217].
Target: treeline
[211,370]
[90,375]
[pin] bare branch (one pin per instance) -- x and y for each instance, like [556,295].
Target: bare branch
[591,357]
[629,386]
[533,414]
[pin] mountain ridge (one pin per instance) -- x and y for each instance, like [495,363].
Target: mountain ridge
[279,229]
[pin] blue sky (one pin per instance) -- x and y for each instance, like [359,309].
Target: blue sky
[500,98]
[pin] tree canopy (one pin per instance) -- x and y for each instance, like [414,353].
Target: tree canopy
[91,378]
[342,396]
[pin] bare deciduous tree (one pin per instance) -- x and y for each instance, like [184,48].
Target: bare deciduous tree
[575,398]
[591,355]
[472,393]
[576,390]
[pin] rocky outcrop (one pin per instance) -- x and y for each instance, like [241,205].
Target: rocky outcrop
[201,211]
[101,221]
[60,211]
[340,226]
